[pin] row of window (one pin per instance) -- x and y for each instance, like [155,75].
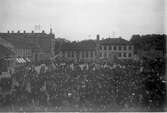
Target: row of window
[85,54]
[119,55]
[125,55]
[110,47]
[23,52]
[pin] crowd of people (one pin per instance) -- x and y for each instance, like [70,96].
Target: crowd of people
[125,84]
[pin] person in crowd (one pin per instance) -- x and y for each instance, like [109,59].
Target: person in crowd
[102,84]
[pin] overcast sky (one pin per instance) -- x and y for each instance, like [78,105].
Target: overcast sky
[82,19]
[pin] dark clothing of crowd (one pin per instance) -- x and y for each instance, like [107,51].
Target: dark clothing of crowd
[107,84]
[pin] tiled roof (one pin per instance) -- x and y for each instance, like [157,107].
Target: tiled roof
[26,35]
[29,40]
[91,44]
[81,46]
[114,41]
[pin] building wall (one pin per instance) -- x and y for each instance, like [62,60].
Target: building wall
[46,42]
[83,56]
[23,52]
[26,53]
[105,52]
[119,51]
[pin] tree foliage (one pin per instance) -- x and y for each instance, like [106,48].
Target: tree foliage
[148,42]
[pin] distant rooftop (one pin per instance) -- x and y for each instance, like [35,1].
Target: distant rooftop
[25,34]
[114,41]
[91,44]
[82,45]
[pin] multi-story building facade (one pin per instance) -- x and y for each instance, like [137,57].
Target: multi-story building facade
[23,51]
[80,51]
[7,57]
[45,42]
[94,50]
[26,52]
[116,48]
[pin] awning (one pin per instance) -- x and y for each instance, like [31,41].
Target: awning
[28,60]
[20,60]
[23,60]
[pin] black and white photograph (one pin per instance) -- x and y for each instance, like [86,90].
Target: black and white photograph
[83,55]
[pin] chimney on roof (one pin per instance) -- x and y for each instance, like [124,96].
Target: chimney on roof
[8,31]
[43,31]
[18,31]
[32,31]
[24,31]
[97,37]
[50,30]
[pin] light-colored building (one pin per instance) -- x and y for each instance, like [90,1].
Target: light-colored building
[93,50]
[111,48]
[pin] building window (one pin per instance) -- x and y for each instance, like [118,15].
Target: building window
[110,47]
[100,47]
[105,47]
[82,54]
[119,47]
[68,53]
[129,55]
[91,53]
[21,52]
[105,55]
[86,54]
[100,54]
[119,54]
[130,47]
[124,54]
[63,53]
[110,55]
[72,54]
[115,48]
[124,47]
[27,52]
